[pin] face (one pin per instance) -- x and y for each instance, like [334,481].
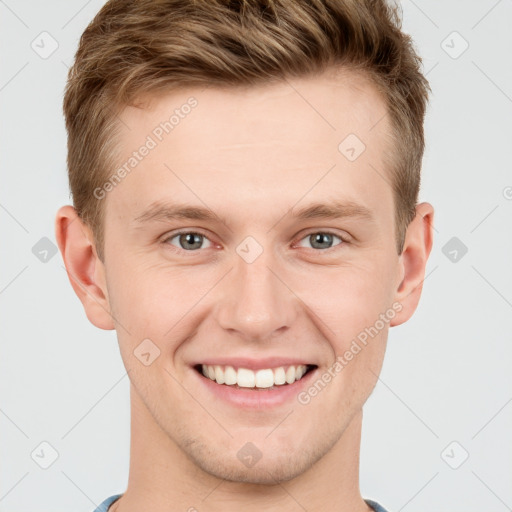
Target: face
[219,251]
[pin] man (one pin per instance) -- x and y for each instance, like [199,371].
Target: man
[245,179]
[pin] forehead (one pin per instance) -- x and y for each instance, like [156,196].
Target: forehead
[273,143]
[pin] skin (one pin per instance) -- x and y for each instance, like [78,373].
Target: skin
[254,156]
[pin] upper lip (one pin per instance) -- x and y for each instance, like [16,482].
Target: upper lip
[255,364]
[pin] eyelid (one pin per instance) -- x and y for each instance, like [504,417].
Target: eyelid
[183,231]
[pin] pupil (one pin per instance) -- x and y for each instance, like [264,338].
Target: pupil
[191,239]
[321,238]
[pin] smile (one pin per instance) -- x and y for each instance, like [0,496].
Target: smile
[265,378]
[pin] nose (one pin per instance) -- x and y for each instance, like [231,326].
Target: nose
[256,303]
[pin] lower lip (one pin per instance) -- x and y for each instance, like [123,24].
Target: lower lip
[252,398]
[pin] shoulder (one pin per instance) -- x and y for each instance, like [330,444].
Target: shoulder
[104,505]
[376,507]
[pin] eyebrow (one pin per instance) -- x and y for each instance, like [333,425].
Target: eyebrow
[166,211]
[335,210]
[329,210]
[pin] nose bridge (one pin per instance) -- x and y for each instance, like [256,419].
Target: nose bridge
[257,302]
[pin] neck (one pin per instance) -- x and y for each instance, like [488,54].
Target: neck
[162,477]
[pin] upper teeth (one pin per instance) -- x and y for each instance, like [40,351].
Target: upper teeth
[245,378]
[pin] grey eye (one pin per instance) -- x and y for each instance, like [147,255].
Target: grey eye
[188,241]
[321,240]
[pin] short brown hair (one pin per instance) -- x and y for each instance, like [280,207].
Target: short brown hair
[133,48]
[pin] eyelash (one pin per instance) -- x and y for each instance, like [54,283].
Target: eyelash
[344,240]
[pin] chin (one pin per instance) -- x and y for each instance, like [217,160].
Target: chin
[263,473]
[281,467]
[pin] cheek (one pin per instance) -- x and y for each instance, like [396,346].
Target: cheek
[156,303]
[352,307]
[347,299]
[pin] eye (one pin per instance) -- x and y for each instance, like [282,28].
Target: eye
[322,240]
[187,240]
[191,241]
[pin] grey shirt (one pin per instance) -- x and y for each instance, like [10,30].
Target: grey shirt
[106,504]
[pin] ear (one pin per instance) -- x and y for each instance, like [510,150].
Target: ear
[413,260]
[86,271]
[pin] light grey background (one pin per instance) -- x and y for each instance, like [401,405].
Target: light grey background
[446,375]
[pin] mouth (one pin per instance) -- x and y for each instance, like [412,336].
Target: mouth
[265,379]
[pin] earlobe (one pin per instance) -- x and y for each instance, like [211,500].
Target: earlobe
[413,260]
[85,270]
